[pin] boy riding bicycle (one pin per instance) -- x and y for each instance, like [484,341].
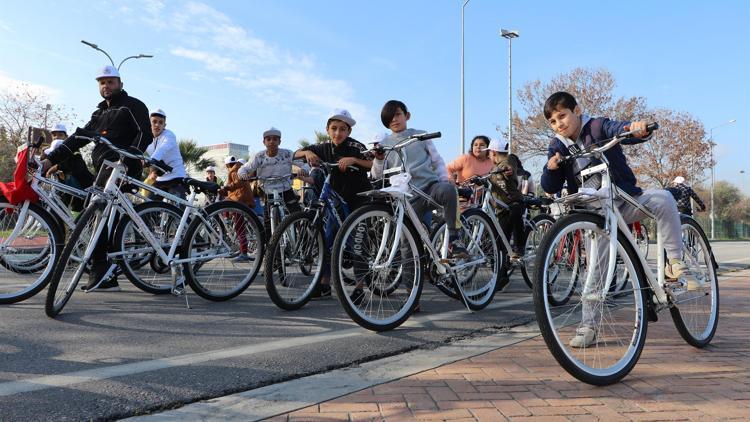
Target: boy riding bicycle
[575,132]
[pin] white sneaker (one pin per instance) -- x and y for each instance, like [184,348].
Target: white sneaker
[585,337]
[675,268]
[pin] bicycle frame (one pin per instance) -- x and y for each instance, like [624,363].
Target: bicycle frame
[403,208]
[606,197]
[117,201]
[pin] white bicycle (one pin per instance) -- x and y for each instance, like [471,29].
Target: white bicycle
[590,248]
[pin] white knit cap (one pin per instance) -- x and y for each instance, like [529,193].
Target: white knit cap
[272,131]
[679,180]
[59,128]
[230,159]
[344,116]
[107,72]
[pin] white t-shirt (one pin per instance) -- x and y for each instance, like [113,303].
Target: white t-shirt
[264,166]
[164,147]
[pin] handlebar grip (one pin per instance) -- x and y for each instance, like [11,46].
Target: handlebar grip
[652,126]
[161,165]
[426,136]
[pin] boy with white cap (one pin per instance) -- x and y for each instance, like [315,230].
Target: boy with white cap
[165,148]
[273,162]
[504,187]
[345,151]
[238,190]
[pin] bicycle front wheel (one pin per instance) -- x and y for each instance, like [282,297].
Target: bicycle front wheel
[532,238]
[138,260]
[73,259]
[378,279]
[294,261]
[597,336]
[29,247]
[224,250]
[696,312]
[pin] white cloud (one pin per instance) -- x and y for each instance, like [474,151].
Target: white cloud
[5,27]
[10,84]
[234,54]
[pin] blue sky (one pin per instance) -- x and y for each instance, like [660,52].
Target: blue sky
[226,70]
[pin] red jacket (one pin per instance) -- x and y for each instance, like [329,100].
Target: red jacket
[19,189]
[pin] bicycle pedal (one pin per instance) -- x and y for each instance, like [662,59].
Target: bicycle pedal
[178,291]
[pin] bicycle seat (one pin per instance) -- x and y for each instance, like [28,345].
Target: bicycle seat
[201,186]
[465,193]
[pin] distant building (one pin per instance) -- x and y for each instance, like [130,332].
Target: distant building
[218,152]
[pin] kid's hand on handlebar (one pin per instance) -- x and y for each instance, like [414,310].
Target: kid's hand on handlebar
[346,162]
[554,162]
[639,129]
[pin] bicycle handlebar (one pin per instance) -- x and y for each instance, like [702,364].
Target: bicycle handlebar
[608,144]
[159,164]
[408,141]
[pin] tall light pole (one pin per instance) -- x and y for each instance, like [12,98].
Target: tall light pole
[713,165]
[463,116]
[509,35]
[96,47]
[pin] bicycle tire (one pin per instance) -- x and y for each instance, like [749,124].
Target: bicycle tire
[481,296]
[27,269]
[286,293]
[146,280]
[219,279]
[399,308]
[537,221]
[624,353]
[683,313]
[77,242]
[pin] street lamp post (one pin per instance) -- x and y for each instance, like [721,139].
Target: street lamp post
[96,47]
[509,35]
[463,116]
[713,165]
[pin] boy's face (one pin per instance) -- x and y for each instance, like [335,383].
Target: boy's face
[338,131]
[58,135]
[566,122]
[398,123]
[496,156]
[272,144]
[158,124]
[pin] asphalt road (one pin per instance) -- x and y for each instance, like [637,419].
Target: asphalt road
[112,355]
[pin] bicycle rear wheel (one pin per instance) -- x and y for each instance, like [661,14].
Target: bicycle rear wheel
[294,261]
[597,336]
[73,260]
[696,312]
[225,249]
[28,258]
[532,239]
[139,262]
[477,281]
[365,241]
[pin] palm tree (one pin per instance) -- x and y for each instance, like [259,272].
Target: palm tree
[320,138]
[192,155]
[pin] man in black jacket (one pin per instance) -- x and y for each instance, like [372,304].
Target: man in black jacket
[683,194]
[122,119]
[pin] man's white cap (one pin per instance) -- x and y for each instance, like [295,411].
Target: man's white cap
[53,146]
[211,168]
[679,180]
[242,161]
[272,131]
[158,112]
[107,72]
[495,146]
[59,128]
[230,159]
[344,116]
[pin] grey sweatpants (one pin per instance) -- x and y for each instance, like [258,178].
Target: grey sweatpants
[445,194]
[664,207]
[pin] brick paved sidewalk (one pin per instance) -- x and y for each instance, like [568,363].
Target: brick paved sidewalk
[672,381]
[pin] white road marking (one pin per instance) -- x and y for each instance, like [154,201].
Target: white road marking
[107,372]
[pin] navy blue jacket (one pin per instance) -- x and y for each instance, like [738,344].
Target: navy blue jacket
[593,131]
